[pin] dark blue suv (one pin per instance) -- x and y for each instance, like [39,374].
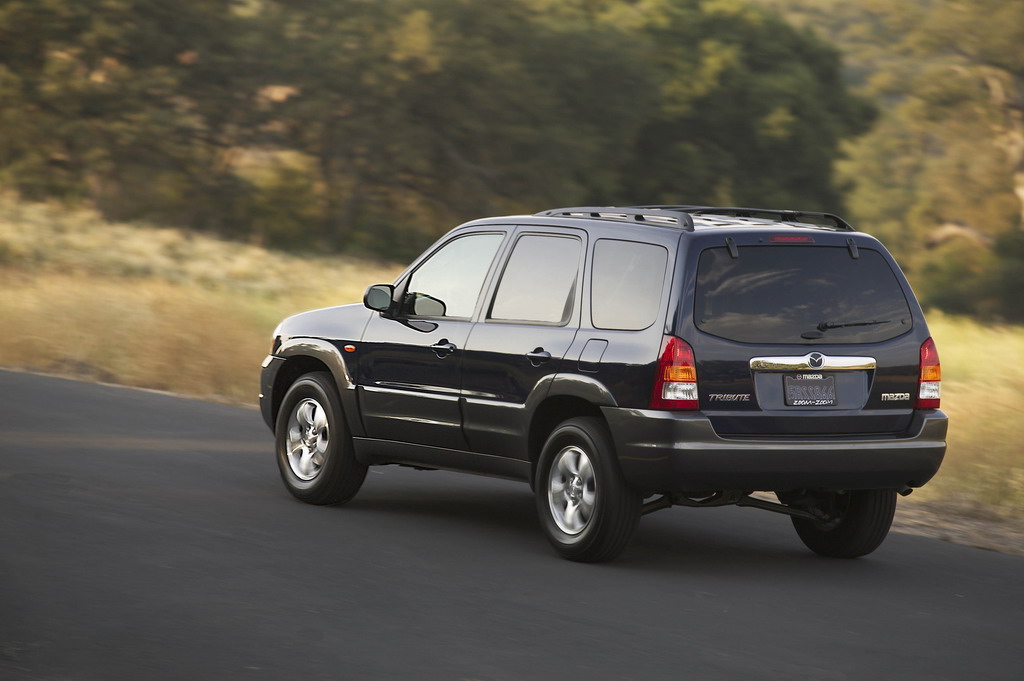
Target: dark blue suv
[623,360]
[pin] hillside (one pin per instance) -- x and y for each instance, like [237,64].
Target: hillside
[153,307]
[940,175]
[174,310]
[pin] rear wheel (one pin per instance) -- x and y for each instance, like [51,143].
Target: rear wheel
[586,509]
[314,448]
[858,523]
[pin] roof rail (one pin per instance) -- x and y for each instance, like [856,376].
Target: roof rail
[666,216]
[765,213]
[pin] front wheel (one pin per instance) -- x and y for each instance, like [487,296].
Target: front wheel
[314,448]
[857,524]
[586,509]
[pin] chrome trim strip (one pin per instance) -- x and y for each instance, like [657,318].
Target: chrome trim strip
[433,392]
[490,399]
[805,363]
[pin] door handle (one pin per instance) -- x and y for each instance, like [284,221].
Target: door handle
[538,356]
[443,348]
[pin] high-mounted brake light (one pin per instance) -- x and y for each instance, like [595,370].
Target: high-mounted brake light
[930,378]
[790,239]
[675,383]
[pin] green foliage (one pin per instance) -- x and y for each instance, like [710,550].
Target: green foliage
[951,276]
[285,202]
[364,125]
[1005,281]
[941,177]
[123,103]
[752,112]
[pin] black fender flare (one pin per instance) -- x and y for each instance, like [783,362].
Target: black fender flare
[582,387]
[588,394]
[328,354]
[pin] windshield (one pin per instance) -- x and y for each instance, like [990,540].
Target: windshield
[799,294]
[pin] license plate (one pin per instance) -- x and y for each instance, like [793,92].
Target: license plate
[810,390]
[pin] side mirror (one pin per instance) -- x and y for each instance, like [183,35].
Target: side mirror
[379,297]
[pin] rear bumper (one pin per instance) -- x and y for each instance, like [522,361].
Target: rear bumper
[663,451]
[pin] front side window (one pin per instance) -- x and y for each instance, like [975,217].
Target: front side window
[539,281]
[799,294]
[448,283]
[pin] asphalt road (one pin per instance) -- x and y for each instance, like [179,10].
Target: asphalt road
[144,536]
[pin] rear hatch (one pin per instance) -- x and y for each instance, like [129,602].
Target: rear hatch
[803,336]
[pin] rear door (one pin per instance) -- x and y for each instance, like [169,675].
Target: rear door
[528,326]
[804,338]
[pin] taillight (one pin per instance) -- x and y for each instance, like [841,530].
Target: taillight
[675,383]
[929,380]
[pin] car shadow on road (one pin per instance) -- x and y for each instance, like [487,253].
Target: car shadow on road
[503,514]
[734,542]
[430,497]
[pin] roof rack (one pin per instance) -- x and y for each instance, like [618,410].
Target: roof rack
[666,216]
[764,213]
[682,216]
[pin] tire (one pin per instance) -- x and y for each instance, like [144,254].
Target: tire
[314,447]
[586,509]
[864,517]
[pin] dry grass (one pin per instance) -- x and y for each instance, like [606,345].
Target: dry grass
[148,307]
[48,238]
[982,379]
[132,331]
[166,309]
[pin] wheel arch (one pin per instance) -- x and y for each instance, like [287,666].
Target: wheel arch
[305,355]
[568,396]
[548,415]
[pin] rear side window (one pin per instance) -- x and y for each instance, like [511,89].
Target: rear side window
[799,294]
[539,281]
[628,279]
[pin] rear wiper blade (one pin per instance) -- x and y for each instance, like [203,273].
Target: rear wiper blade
[825,326]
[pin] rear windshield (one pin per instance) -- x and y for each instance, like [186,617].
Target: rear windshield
[799,294]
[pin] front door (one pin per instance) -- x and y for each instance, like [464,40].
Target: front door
[410,364]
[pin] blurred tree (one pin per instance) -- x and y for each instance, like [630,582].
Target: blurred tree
[449,109]
[984,43]
[445,110]
[375,125]
[751,111]
[136,105]
[941,177]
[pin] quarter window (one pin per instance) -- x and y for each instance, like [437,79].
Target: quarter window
[539,282]
[448,283]
[628,279]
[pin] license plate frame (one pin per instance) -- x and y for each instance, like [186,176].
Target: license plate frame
[809,389]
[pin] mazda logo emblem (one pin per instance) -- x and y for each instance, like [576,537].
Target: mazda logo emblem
[815,360]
